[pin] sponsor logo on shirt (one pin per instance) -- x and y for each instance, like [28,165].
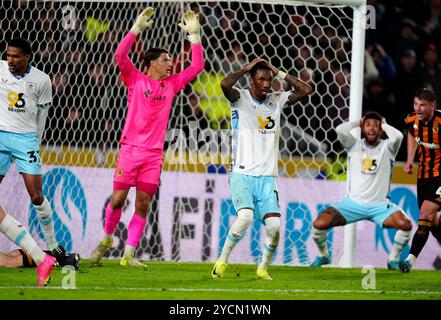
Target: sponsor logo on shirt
[16,102]
[149,95]
[427,145]
[266,123]
[368,165]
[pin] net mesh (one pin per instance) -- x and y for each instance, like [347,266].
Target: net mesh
[75,43]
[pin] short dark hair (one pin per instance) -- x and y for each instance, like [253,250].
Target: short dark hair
[21,43]
[153,54]
[259,66]
[373,115]
[425,94]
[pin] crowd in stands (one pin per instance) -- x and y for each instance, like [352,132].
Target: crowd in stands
[77,51]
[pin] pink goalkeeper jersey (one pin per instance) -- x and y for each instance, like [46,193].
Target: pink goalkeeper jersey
[150,101]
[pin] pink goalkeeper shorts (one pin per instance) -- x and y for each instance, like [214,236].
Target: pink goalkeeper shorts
[138,167]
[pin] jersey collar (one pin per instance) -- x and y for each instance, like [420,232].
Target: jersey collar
[18,77]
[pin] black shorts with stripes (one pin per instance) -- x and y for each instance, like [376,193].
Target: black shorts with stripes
[429,189]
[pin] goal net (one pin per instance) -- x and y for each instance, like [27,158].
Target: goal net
[75,42]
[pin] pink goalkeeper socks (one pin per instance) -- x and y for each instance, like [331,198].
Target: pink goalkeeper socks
[112,218]
[136,229]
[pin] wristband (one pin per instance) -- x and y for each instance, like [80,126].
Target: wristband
[194,38]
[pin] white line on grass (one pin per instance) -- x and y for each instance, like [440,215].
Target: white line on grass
[283,291]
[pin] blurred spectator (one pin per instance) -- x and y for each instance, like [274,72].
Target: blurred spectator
[431,69]
[407,37]
[307,75]
[88,92]
[95,102]
[72,129]
[378,99]
[212,101]
[383,62]
[107,140]
[407,82]
[304,58]
[370,70]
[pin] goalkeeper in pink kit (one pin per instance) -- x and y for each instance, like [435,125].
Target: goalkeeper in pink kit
[150,97]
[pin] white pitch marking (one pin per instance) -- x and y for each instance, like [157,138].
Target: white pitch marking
[229,290]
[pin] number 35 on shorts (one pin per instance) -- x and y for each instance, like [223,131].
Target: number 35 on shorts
[33,157]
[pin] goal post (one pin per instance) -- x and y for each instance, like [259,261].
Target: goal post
[355,111]
[74,42]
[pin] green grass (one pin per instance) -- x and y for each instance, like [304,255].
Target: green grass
[172,280]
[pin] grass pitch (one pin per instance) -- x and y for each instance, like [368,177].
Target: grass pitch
[192,281]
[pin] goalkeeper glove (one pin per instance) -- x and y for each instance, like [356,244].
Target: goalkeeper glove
[192,26]
[143,21]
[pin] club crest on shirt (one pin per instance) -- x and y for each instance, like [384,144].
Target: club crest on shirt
[270,105]
[435,129]
[119,172]
[30,86]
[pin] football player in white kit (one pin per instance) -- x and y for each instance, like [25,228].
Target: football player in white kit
[25,97]
[255,115]
[370,165]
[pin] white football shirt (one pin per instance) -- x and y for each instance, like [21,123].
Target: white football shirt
[22,101]
[370,171]
[256,130]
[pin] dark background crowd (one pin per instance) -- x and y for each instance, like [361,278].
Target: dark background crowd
[76,48]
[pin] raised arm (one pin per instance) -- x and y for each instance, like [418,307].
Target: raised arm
[412,147]
[394,135]
[193,28]
[301,88]
[344,133]
[229,81]
[122,52]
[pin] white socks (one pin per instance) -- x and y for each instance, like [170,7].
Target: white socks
[411,258]
[18,234]
[44,214]
[272,227]
[237,229]
[321,239]
[243,221]
[400,241]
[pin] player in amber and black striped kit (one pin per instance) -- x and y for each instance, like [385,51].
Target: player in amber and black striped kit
[424,134]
